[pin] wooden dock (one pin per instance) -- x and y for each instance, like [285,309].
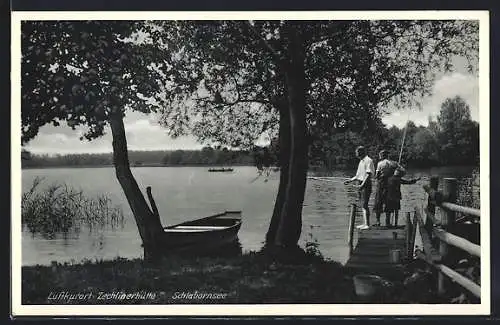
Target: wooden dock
[370,250]
[373,249]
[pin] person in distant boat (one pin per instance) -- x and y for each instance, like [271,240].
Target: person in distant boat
[393,199]
[364,177]
[385,169]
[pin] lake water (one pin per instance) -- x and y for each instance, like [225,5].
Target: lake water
[185,193]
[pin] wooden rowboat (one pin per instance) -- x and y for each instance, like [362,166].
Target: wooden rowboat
[220,170]
[203,234]
[200,235]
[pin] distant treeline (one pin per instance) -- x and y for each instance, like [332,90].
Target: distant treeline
[205,157]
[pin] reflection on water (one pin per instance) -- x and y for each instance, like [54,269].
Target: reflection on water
[185,193]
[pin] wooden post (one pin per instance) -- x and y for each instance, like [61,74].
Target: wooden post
[429,250]
[450,195]
[431,207]
[413,234]
[447,219]
[408,228]
[352,221]
[434,182]
[154,208]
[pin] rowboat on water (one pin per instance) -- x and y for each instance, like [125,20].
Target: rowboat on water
[204,234]
[220,169]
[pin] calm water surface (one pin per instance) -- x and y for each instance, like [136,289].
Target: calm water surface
[185,193]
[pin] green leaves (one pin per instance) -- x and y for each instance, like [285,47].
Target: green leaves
[353,69]
[458,135]
[82,64]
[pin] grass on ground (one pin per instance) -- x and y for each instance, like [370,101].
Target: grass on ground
[251,278]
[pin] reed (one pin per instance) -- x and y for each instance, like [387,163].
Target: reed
[60,209]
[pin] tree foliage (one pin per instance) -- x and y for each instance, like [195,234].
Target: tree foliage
[459,136]
[354,69]
[81,72]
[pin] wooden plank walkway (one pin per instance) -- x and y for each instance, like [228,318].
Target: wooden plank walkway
[373,248]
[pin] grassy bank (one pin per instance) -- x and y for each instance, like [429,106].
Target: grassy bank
[253,278]
[249,278]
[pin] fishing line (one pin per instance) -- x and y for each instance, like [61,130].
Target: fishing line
[329,179]
[343,179]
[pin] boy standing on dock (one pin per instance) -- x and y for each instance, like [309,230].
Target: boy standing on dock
[364,177]
[393,202]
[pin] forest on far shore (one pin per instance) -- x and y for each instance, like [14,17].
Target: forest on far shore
[208,156]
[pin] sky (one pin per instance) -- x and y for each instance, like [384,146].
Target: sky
[144,132]
[447,86]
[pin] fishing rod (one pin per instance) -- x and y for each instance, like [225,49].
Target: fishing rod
[404,138]
[260,173]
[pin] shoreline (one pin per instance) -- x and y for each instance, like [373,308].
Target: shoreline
[133,166]
[314,169]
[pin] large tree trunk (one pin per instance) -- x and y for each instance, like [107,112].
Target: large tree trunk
[290,225]
[149,225]
[284,157]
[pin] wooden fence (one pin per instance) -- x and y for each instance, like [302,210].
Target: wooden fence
[436,240]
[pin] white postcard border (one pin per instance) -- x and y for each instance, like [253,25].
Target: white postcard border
[247,310]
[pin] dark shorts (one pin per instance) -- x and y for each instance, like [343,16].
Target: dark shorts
[364,194]
[392,205]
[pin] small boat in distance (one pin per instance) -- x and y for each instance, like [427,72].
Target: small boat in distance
[204,234]
[220,169]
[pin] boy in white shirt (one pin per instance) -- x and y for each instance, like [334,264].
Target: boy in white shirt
[364,176]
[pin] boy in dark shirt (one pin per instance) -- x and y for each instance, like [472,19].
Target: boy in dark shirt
[393,198]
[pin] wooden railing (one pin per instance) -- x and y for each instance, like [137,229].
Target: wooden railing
[434,231]
[352,221]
